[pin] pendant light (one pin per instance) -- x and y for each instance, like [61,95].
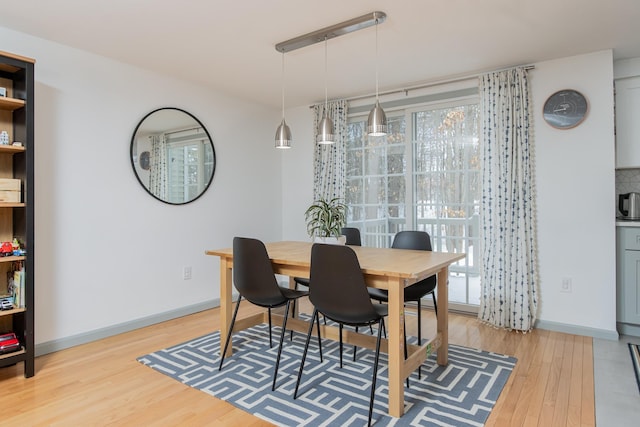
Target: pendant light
[283,133]
[377,121]
[325,127]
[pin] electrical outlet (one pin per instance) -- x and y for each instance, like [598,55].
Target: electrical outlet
[186,273]
[566,284]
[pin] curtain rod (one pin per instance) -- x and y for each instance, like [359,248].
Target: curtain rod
[183,130]
[434,83]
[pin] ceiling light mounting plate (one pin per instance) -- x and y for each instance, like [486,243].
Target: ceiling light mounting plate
[333,31]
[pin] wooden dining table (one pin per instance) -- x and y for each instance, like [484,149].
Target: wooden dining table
[390,269]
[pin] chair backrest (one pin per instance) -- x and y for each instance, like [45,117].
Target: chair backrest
[412,239]
[352,235]
[338,289]
[253,274]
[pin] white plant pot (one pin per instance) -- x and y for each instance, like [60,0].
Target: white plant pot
[341,240]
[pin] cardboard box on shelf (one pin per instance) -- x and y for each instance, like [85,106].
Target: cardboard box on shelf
[8,184]
[10,190]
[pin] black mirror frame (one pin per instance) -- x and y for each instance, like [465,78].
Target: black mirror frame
[133,166]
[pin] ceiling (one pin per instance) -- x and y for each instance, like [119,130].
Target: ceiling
[230,45]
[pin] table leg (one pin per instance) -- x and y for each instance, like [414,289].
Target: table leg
[395,322]
[443,316]
[226,303]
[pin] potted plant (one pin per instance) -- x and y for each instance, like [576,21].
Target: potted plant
[325,219]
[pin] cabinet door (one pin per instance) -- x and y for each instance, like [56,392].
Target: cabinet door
[631,238]
[631,285]
[627,123]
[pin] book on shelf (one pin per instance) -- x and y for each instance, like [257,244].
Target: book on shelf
[18,285]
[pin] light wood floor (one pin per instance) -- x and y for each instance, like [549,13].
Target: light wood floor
[102,384]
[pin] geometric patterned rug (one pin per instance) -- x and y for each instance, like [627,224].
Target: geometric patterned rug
[460,394]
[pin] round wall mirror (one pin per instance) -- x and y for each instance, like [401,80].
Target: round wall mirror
[172,156]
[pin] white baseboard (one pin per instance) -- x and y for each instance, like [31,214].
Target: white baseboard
[577,330]
[67,342]
[628,329]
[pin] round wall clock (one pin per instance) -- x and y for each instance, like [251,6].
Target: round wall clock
[565,109]
[144,160]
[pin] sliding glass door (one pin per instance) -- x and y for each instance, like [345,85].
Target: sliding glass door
[424,175]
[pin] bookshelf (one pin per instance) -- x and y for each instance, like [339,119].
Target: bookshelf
[17,204]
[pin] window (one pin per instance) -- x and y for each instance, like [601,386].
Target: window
[189,165]
[376,184]
[424,175]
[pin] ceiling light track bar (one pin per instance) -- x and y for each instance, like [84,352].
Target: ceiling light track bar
[333,31]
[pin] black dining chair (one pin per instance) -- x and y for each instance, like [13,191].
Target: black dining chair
[255,280]
[418,240]
[353,238]
[352,235]
[335,270]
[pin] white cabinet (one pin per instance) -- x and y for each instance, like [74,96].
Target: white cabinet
[628,280]
[627,122]
[631,274]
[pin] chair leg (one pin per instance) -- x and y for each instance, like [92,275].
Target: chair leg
[420,334]
[226,343]
[356,348]
[293,314]
[435,305]
[384,330]
[304,353]
[404,332]
[406,354]
[375,369]
[284,327]
[340,327]
[319,338]
[270,340]
[419,323]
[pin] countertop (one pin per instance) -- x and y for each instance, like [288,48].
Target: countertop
[625,223]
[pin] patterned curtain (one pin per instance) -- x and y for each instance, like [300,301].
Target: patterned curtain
[329,160]
[158,166]
[509,253]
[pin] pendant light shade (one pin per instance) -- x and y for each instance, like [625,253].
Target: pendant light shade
[283,133]
[377,121]
[325,131]
[325,134]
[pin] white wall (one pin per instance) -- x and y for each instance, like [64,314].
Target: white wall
[297,173]
[575,195]
[575,171]
[107,253]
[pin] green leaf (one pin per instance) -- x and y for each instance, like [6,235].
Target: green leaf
[325,218]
